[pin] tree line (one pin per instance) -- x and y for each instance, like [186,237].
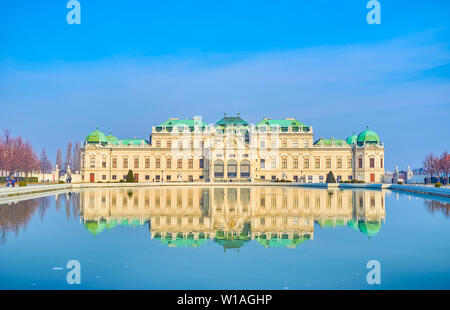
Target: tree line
[434,165]
[73,157]
[18,155]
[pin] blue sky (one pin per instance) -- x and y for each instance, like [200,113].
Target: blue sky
[132,64]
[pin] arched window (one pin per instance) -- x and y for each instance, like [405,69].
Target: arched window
[218,169]
[245,169]
[232,169]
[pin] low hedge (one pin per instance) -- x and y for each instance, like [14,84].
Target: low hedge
[19,179]
[438,184]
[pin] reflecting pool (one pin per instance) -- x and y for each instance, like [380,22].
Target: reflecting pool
[225,238]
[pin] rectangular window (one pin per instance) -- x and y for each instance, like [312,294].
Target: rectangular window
[328,163]
[381,162]
[190,163]
[273,144]
[284,144]
[180,163]
[306,143]
[158,163]
[360,164]
[169,144]
[92,162]
[158,143]
[147,163]
[295,143]
[263,177]
[372,162]
[306,163]
[295,163]
[339,163]
[168,163]
[125,162]
[169,177]
[202,163]
[103,162]
[147,177]
[104,177]
[114,177]
[136,163]
[262,144]
[349,163]
[317,163]
[273,163]
[263,163]
[274,178]
[284,163]
[114,162]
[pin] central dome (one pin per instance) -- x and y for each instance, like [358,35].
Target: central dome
[96,137]
[368,136]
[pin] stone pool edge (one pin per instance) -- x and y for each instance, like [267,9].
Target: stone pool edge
[35,189]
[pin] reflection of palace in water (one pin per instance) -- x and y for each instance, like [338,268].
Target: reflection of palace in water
[231,216]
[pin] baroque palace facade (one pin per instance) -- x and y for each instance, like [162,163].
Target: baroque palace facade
[190,150]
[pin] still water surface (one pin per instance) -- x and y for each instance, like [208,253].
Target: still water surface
[226,238]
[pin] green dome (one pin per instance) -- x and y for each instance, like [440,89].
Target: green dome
[94,227]
[370,228]
[112,139]
[352,139]
[97,137]
[368,136]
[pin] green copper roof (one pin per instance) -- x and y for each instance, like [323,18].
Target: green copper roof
[96,137]
[281,123]
[232,121]
[183,122]
[112,139]
[352,139]
[94,227]
[282,242]
[368,136]
[369,228]
[182,242]
[352,224]
[329,142]
[134,142]
[330,223]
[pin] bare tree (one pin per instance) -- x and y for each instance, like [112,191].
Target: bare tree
[68,155]
[430,165]
[444,164]
[30,161]
[59,158]
[16,155]
[76,157]
[45,163]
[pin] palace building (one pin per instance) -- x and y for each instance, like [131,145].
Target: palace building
[189,150]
